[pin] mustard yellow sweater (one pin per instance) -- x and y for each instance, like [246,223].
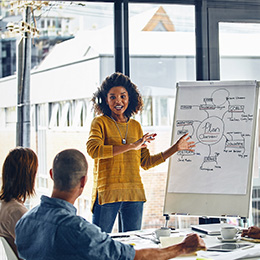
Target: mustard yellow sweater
[117,178]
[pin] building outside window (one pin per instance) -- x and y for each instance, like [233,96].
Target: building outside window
[80,114]
[162,52]
[240,60]
[10,117]
[55,115]
[66,114]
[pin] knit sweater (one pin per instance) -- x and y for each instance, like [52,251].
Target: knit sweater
[117,178]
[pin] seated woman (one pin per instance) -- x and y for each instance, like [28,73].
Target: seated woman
[18,178]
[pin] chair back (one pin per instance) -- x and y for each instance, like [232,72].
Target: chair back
[6,252]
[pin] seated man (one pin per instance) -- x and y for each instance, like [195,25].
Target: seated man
[252,232]
[52,230]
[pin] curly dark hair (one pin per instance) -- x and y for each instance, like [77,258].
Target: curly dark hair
[115,80]
[18,174]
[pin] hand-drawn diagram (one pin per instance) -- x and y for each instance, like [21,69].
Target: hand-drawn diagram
[220,122]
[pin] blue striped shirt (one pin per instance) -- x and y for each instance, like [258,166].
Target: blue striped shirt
[52,230]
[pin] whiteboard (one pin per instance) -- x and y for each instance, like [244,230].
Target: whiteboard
[216,179]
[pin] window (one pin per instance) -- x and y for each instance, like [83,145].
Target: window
[239,51]
[10,117]
[80,114]
[61,114]
[55,115]
[42,182]
[42,23]
[66,115]
[162,53]
[41,147]
[58,24]
[83,206]
[145,117]
[2,117]
[163,112]
[234,55]
[66,80]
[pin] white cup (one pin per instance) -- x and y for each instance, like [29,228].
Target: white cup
[228,232]
[162,232]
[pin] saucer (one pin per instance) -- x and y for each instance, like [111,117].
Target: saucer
[235,239]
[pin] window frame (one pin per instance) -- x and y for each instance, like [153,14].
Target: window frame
[220,14]
[207,45]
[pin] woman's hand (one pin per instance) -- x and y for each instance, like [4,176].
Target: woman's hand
[141,143]
[183,144]
[118,149]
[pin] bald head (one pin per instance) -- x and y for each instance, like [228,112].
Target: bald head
[69,166]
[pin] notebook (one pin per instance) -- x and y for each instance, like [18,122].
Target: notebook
[254,240]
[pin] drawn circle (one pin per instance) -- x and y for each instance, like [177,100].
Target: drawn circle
[219,96]
[210,131]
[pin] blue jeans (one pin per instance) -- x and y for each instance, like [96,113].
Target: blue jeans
[130,215]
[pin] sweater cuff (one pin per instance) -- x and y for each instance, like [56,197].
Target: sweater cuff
[108,151]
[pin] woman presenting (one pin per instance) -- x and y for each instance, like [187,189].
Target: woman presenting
[118,146]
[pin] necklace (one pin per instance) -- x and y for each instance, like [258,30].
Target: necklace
[123,139]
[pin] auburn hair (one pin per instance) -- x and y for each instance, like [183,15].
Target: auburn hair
[18,174]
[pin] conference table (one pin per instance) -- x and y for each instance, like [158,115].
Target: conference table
[146,239]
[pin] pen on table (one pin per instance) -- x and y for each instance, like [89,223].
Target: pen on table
[119,236]
[246,247]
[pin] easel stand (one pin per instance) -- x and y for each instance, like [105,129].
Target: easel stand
[167,218]
[244,222]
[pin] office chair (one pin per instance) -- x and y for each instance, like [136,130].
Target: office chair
[6,252]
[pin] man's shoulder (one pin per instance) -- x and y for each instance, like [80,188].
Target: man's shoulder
[78,224]
[59,220]
[28,214]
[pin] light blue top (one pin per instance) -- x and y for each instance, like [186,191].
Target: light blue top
[52,230]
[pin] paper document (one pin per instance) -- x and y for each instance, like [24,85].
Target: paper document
[238,254]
